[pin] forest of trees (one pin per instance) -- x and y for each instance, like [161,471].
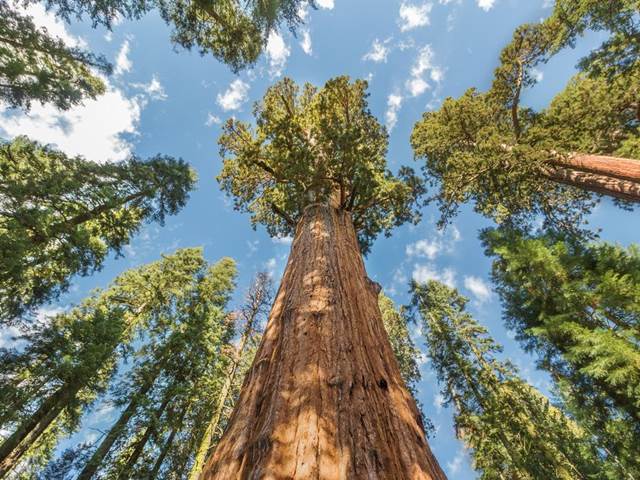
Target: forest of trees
[318,377]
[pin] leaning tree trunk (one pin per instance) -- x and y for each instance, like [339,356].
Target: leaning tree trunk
[324,397]
[611,176]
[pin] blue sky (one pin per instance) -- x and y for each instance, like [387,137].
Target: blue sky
[162,100]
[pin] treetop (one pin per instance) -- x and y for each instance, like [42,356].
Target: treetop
[316,145]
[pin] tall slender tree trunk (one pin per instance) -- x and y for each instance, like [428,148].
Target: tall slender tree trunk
[207,439]
[18,443]
[611,176]
[116,430]
[150,430]
[324,397]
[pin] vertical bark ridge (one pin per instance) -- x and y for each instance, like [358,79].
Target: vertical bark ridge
[324,398]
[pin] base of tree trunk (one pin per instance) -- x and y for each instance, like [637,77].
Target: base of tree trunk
[324,398]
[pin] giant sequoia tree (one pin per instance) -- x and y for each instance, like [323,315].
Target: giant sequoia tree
[61,216]
[515,163]
[45,386]
[578,307]
[511,428]
[324,396]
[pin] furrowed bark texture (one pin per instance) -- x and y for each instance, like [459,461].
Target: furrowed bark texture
[324,398]
[612,176]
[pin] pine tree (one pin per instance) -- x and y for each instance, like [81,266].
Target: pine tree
[324,396]
[35,66]
[511,428]
[66,364]
[250,318]
[515,163]
[168,382]
[38,67]
[396,323]
[578,306]
[62,216]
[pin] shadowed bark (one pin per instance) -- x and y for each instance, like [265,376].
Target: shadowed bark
[611,176]
[324,397]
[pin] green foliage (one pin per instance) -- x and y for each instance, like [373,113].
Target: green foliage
[316,145]
[61,216]
[396,323]
[578,307]
[178,372]
[487,148]
[70,360]
[233,31]
[619,53]
[511,428]
[35,66]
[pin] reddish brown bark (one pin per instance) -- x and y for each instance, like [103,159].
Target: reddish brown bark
[612,176]
[324,398]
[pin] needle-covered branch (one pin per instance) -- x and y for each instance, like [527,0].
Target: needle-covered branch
[316,145]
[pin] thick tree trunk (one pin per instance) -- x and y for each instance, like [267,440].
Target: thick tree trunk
[324,397]
[611,176]
[16,445]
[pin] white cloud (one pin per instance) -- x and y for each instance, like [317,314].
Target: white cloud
[538,75]
[282,240]
[438,401]
[379,51]
[234,96]
[93,130]
[277,53]
[153,89]
[424,273]
[414,15]
[212,119]
[486,5]
[305,43]
[328,4]
[123,63]
[423,65]
[431,247]
[456,463]
[424,248]
[394,102]
[480,290]
[416,86]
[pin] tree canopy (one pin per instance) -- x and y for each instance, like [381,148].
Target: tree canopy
[512,429]
[38,67]
[233,31]
[313,145]
[577,306]
[489,149]
[61,215]
[71,359]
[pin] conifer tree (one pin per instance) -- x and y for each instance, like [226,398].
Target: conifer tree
[61,216]
[578,306]
[396,325]
[67,363]
[511,428]
[168,382]
[35,66]
[515,163]
[249,318]
[324,396]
